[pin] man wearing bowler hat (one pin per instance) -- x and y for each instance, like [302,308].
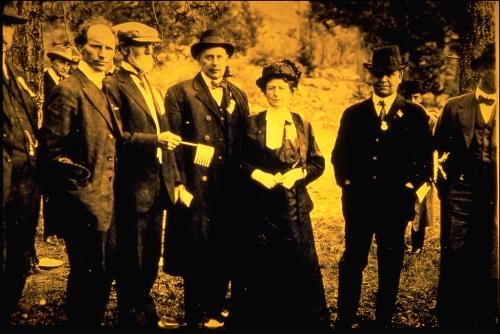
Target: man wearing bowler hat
[200,236]
[146,175]
[466,138]
[382,154]
[21,196]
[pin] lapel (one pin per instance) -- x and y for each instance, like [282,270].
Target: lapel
[26,98]
[467,111]
[397,105]
[128,85]
[203,94]
[301,135]
[96,97]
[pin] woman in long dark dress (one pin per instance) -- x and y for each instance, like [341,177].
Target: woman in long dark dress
[284,289]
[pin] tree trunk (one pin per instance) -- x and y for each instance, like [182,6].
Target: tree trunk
[479,31]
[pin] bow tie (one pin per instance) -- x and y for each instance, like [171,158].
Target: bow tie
[216,84]
[485,100]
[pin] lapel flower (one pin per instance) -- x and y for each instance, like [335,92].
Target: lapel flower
[399,113]
[231,106]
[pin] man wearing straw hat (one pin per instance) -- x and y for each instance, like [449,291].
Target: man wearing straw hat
[146,175]
[21,197]
[211,111]
[382,155]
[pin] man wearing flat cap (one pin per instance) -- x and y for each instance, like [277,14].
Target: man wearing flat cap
[146,176]
[78,142]
[206,110]
[466,138]
[382,154]
[21,197]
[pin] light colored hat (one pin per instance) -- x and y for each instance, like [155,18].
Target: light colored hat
[11,16]
[136,32]
[63,52]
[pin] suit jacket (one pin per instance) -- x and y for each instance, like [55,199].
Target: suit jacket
[80,125]
[19,124]
[196,117]
[138,167]
[373,160]
[48,84]
[454,132]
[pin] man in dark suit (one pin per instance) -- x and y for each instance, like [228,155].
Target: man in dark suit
[21,197]
[77,153]
[382,154]
[146,175]
[61,59]
[210,111]
[466,140]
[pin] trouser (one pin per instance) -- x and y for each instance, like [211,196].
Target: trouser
[468,281]
[139,250]
[360,227]
[20,217]
[92,257]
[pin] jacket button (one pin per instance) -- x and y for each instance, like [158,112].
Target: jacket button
[374,177]
[375,158]
[377,139]
[221,118]
[219,157]
[207,137]
[204,178]
[110,136]
[208,118]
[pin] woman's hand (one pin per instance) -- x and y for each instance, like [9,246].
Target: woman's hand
[289,178]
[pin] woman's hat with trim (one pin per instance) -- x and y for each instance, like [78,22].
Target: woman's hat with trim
[285,69]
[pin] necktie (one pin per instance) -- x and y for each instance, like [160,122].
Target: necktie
[216,84]
[481,99]
[383,112]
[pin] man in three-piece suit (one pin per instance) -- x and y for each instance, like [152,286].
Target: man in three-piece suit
[21,197]
[382,154]
[466,133]
[146,174]
[208,110]
[78,154]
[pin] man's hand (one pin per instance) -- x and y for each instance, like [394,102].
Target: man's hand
[267,180]
[292,176]
[168,140]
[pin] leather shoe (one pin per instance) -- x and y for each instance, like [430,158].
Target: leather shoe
[212,323]
[167,324]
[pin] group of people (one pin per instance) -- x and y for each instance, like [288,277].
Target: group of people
[116,155]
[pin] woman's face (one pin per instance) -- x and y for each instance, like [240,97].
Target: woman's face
[278,93]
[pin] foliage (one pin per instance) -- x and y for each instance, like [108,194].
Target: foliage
[423,29]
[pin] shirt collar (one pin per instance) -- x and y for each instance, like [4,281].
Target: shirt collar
[388,100]
[93,75]
[480,92]
[208,81]
[129,68]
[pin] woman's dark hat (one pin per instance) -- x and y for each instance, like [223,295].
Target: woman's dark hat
[210,39]
[485,60]
[386,59]
[410,87]
[284,69]
[10,15]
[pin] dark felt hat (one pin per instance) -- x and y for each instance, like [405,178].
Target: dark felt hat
[284,69]
[10,15]
[486,59]
[410,87]
[386,58]
[209,39]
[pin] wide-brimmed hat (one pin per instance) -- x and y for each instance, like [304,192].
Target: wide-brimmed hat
[11,16]
[210,39]
[410,87]
[285,69]
[386,58]
[486,59]
[136,32]
[63,52]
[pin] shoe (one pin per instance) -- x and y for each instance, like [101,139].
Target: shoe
[212,323]
[167,324]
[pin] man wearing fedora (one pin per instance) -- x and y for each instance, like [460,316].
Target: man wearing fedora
[21,196]
[466,133]
[201,232]
[382,154]
[146,175]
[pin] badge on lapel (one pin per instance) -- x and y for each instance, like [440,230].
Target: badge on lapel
[231,106]
[399,113]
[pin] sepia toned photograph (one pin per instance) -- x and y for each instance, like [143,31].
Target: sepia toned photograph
[248,167]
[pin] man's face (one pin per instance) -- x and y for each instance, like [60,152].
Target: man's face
[99,50]
[386,83]
[61,67]
[487,80]
[213,62]
[141,56]
[415,98]
[8,32]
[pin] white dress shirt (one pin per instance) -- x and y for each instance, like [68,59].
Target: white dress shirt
[389,100]
[217,93]
[485,109]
